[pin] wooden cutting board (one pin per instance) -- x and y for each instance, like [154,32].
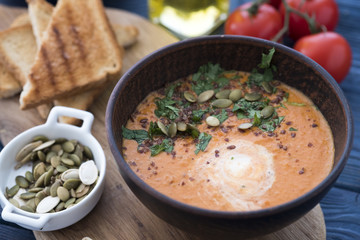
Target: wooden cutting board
[119,215]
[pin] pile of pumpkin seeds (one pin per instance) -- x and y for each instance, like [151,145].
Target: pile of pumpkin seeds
[63,174]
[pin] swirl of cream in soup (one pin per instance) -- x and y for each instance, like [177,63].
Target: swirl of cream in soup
[240,175]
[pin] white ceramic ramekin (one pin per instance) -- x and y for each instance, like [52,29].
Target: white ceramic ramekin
[52,129]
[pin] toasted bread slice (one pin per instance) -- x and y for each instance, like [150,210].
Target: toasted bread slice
[40,12]
[22,19]
[18,50]
[125,35]
[78,52]
[9,86]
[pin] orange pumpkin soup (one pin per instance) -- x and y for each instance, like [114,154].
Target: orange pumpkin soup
[269,146]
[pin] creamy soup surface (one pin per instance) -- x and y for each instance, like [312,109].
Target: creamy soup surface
[240,169]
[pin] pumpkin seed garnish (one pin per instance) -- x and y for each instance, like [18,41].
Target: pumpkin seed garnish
[235,95]
[224,94]
[267,87]
[181,126]
[172,129]
[205,96]
[212,121]
[252,97]
[63,194]
[12,191]
[27,208]
[245,126]
[189,97]
[267,111]
[222,103]
[27,195]
[68,146]
[163,128]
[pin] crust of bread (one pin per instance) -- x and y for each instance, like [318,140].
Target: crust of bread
[126,35]
[73,59]
[17,51]
[9,86]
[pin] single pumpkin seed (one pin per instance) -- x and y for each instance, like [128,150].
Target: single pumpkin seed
[29,177]
[267,111]
[31,203]
[54,187]
[222,103]
[75,159]
[172,129]
[267,87]
[60,207]
[27,195]
[27,208]
[70,174]
[22,182]
[40,181]
[56,148]
[69,202]
[48,176]
[41,156]
[41,195]
[26,159]
[71,183]
[224,94]
[189,97]
[88,172]
[37,201]
[47,204]
[63,193]
[28,148]
[68,146]
[88,153]
[44,145]
[12,191]
[14,202]
[181,126]
[212,121]
[79,151]
[61,168]
[72,193]
[55,161]
[252,97]
[60,140]
[235,95]
[205,96]
[244,126]
[40,138]
[163,128]
[39,170]
[67,161]
[80,199]
[35,189]
[49,155]
[47,191]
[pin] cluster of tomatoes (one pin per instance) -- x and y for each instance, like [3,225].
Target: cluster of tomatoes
[267,21]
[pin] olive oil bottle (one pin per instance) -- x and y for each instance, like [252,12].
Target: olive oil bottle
[189,18]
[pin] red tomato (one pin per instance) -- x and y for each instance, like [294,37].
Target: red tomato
[265,24]
[330,50]
[275,3]
[326,13]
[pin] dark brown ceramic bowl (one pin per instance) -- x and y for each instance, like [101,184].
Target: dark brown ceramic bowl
[239,53]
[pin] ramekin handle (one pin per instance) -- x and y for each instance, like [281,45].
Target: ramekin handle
[13,214]
[58,111]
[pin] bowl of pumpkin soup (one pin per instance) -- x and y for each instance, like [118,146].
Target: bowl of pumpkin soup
[228,136]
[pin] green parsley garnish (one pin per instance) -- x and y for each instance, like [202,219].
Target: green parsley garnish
[204,140]
[292,129]
[166,146]
[138,135]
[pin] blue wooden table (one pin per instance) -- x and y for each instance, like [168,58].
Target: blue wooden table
[341,206]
